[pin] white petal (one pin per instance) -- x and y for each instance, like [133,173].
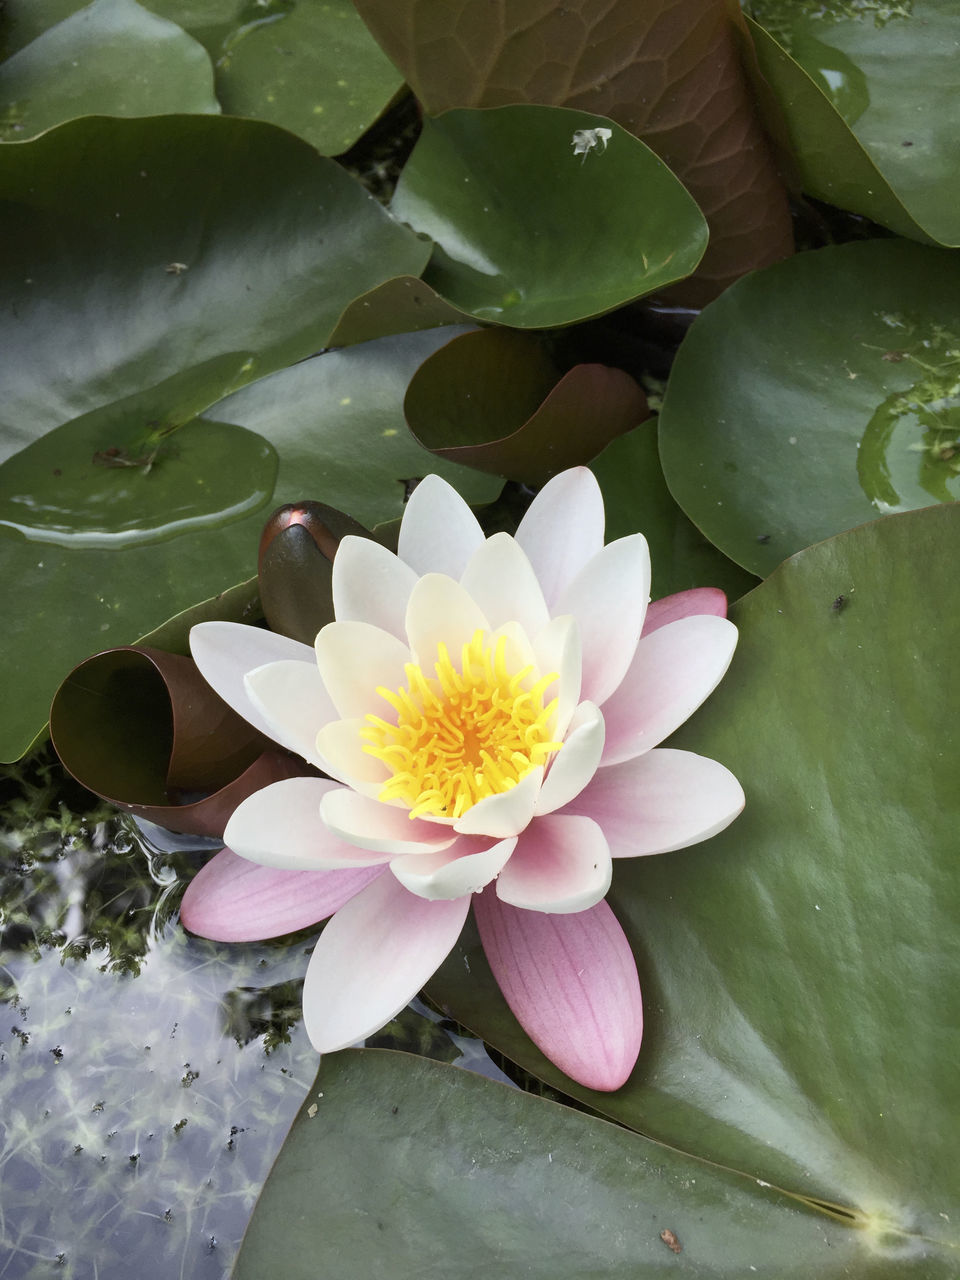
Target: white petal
[280,826]
[292,700]
[370,824]
[370,584]
[575,763]
[439,533]
[441,611]
[354,658]
[557,648]
[372,959]
[505,814]
[501,580]
[562,864]
[563,530]
[609,598]
[226,651]
[465,868]
[660,801]
[675,668]
[340,748]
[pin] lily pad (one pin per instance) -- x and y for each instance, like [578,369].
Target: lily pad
[816,395]
[138,250]
[886,75]
[800,972]
[636,500]
[669,71]
[314,69]
[531,234]
[112,58]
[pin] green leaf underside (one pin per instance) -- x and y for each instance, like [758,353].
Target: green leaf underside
[800,975]
[885,74]
[530,234]
[398,1158]
[816,395]
[112,58]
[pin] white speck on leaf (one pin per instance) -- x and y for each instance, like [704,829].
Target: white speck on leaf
[584,141]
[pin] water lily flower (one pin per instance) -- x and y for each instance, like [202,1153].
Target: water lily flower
[488,713]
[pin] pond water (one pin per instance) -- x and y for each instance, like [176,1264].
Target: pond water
[147,1077]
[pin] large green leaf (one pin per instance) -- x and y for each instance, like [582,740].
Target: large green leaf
[801,972]
[815,395]
[668,71]
[403,1167]
[140,250]
[531,234]
[334,427]
[868,92]
[112,58]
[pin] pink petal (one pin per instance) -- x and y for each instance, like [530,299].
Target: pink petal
[672,672]
[501,580]
[371,824]
[292,700]
[557,648]
[233,900]
[280,826]
[354,658]
[439,533]
[563,530]
[226,651]
[609,598]
[463,868]
[372,959]
[561,864]
[660,801]
[683,604]
[371,584]
[575,763]
[572,984]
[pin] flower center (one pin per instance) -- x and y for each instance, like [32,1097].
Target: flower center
[469,733]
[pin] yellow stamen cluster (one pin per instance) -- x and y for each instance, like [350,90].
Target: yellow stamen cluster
[465,735]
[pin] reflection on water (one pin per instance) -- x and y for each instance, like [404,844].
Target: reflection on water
[147,1078]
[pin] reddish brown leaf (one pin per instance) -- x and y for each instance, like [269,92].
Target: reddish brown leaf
[667,70]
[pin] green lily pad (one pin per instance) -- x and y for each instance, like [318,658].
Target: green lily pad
[816,395]
[111,58]
[868,92]
[800,970]
[396,1157]
[531,234]
[636,500]
[670,73]
[139,250]
[402,305]
[314,69]
[337,423]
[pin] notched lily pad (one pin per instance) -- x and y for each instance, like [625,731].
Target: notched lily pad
[531,231]
[816,395]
